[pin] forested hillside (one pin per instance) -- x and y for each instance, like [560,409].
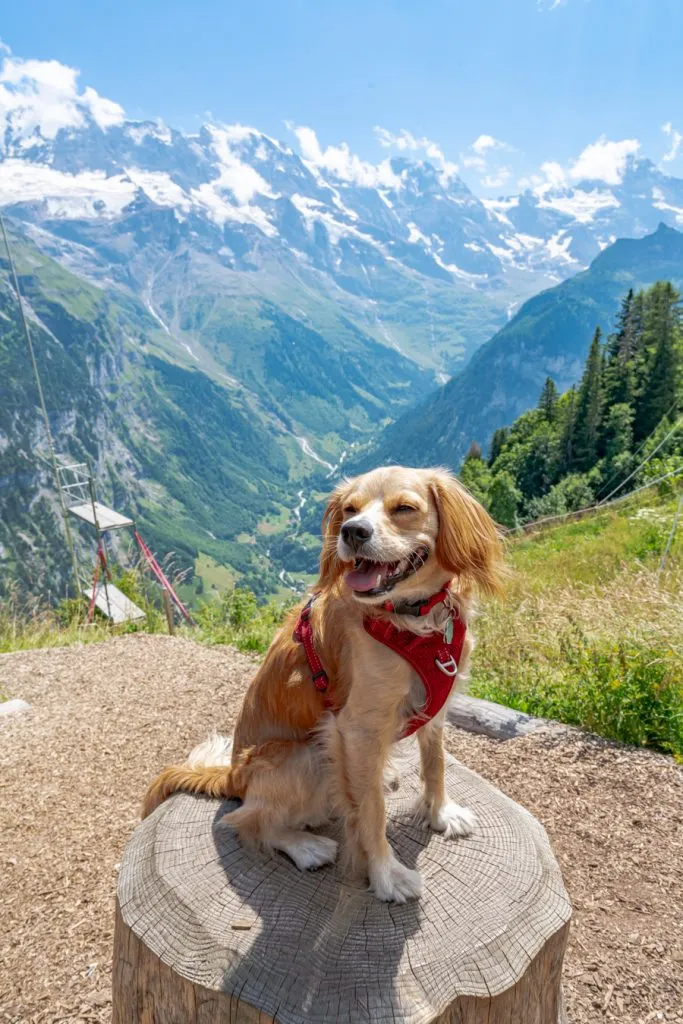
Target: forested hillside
[548,336]
[621,419]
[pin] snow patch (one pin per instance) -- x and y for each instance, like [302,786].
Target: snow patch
[464,275]
[497,209]
[89,194]
[579,204]
[313,210]
[557,248]
[660,203]
[139,131]
[160,188]
[415,236]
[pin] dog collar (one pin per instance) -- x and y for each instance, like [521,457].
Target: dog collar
[418,608]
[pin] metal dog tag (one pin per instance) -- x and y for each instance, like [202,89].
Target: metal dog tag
[448,631]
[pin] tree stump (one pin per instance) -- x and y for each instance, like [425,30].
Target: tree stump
[208,932]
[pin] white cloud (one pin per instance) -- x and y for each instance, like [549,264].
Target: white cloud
[549,5]
[604,160]
[554,174]
[43,95]
[342,163]
[497,178]
[406,141]
[5,50]
[675,138]
[474,163]
[240,178]
[480,153]
[484,143]
[105,112]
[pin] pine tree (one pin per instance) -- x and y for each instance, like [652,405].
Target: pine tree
[497,443]
[547,403]
[589,403]
[621,351]
[617,440]
[568,427]
[660,364]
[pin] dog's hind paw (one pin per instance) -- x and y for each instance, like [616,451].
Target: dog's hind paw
[306,850]
[394,882]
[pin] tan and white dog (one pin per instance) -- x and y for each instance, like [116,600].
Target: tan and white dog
[293,762]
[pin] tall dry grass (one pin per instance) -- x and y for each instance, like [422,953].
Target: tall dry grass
[591,634]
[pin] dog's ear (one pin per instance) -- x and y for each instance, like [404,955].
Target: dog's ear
[331,566]
[468,543]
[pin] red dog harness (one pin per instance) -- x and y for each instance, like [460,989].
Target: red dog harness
[434,656]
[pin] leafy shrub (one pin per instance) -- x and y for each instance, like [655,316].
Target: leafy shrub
[628,689]
[236,618]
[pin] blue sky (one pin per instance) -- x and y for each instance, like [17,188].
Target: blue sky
[528,82]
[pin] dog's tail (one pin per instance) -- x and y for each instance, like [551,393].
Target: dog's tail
[207,770]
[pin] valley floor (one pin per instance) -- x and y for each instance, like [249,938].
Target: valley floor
[106,716]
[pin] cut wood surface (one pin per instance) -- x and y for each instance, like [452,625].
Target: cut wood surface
[210,932]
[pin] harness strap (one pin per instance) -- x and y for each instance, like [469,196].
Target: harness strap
[434,656]
[303,634]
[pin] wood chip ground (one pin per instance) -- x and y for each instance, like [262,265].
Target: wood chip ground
[106,717]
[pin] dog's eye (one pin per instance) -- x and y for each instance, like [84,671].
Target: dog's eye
[350,510]
[405,508]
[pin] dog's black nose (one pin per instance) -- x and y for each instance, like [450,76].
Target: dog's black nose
[356,532]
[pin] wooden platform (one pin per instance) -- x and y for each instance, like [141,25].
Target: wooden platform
[118,607]
[107,518]
[210,931]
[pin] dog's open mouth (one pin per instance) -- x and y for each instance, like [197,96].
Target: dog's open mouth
[370,579]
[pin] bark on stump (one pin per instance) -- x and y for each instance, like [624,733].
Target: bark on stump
[210,933]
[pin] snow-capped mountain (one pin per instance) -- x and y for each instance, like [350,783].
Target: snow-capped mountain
[221,313]
[406,252]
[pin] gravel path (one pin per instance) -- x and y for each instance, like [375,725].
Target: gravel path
[105,717]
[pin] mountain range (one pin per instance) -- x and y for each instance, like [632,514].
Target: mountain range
[548,337]
[225,317]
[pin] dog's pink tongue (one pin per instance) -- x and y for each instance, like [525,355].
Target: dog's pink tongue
[366,579]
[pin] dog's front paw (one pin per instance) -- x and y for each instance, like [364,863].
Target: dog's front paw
[394,882]
[453,820]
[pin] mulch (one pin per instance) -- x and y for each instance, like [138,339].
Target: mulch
[105,717]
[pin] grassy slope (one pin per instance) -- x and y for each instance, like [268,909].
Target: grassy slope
[588,634]
[187,456]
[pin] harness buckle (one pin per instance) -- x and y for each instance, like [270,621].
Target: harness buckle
[449,668]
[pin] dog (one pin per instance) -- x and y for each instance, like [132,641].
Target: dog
[404,553]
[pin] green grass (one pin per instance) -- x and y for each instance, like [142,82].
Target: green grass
[589,634]
[275,523]
[214,576]
[235,617]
